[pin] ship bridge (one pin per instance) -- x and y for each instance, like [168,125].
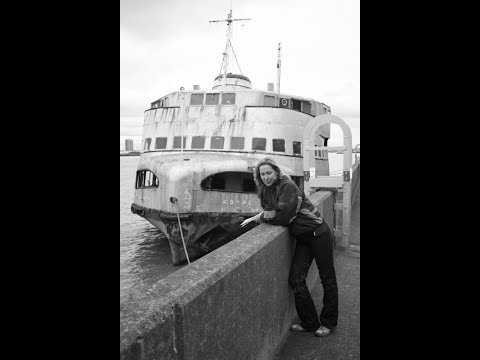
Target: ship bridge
[231,81]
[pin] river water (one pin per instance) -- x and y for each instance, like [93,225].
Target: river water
[145,254]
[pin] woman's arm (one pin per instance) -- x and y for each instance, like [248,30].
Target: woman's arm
[250,219]
[289,201]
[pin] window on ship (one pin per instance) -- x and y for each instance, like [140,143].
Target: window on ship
[198,142]
[157,104]
[146,179]
[269,100]
[296,104]
[212,99]
[322,154]
[325,141]
[307,107]
[278,145]
[237,143]
[217,142]
[146,145]
[177,144]
[228,98]
[284,102]
[297,148]
[259,143]
[230,181]
[161,143]
[196,99]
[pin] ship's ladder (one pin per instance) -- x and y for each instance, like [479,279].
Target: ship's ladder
[340,184]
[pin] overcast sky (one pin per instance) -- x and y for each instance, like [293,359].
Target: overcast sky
[166,44]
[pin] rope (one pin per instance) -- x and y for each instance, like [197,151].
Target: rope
[231,46]
[181,233]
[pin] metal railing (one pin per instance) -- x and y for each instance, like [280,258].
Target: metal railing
[357,150]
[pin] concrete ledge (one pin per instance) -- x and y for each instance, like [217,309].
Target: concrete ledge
[234,303]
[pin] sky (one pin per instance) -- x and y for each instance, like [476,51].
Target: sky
[167,44]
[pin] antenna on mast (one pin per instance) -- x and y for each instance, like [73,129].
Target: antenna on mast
[228,45]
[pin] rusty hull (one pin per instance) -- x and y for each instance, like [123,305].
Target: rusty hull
[203,232]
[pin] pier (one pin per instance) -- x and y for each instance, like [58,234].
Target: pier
[235,302]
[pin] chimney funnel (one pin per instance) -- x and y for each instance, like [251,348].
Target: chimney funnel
[270,87]
[196,87]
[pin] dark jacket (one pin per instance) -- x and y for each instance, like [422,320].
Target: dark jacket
[291,207]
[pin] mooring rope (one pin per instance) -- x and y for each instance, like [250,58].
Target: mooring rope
[174,200]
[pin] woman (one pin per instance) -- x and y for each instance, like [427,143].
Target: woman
[285,204]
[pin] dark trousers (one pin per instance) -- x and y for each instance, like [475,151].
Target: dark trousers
[320,247]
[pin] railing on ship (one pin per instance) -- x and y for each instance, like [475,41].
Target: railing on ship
[357,151]
[355,173]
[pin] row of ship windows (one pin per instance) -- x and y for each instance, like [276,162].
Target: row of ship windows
[218,143]
[229,99]
[225,181]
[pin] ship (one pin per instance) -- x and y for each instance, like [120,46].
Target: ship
[194,180]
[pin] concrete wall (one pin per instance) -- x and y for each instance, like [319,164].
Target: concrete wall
[233,303]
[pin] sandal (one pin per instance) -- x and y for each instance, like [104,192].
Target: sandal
[323,331]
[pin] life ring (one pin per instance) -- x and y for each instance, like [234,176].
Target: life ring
[284,102]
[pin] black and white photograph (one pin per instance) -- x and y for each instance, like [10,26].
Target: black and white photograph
[240,179]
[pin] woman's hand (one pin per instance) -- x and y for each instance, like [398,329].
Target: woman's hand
[268,215]
[250,219]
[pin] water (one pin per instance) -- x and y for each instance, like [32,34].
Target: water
[145,254]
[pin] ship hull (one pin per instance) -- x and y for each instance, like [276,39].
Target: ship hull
[202,232]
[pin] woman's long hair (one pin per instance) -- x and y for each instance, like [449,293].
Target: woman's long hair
[261,187]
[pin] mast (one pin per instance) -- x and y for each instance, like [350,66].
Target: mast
[182,113]
[279,65]
[228,45]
